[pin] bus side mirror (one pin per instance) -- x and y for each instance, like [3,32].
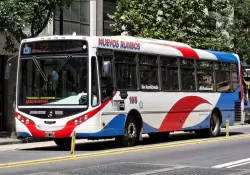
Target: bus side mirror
[106,69]
[7,71]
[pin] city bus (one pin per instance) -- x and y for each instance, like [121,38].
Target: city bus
[121,87]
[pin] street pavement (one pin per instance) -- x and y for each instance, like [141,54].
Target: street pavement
[219,157]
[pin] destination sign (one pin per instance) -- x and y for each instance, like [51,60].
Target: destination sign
[54,46]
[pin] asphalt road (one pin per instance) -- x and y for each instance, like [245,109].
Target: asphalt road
[218,157]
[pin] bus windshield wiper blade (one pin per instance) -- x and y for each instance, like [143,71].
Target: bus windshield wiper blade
[63,63]
[39,68]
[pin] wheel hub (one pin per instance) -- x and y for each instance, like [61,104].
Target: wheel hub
[131,130]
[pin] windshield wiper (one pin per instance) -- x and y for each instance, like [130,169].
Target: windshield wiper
[63,63]
[34,58]
[39,68]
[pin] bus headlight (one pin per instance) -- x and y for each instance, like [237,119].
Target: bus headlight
[85,117]
[75,122]
[80,120]
[27,121]
[19,117]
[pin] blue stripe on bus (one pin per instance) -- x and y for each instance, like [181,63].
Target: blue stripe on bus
[23,134]
[224,57]
[113,128]
[226,104]
[147,128]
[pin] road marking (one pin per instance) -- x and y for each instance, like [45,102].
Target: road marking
[239,164]
[123,150]
[233,164]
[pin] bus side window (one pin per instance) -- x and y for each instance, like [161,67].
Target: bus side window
[106,83]
[223,77]
[235,76]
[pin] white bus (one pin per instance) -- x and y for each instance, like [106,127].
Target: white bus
[122,87]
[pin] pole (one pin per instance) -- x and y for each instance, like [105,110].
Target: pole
[61,20]
[72,153]
[93,17]
[227,128]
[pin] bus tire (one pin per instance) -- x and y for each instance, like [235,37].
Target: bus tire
[64,143]
[131,133]
[214,128]
[215,125]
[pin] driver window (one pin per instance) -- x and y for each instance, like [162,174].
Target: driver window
[94,81]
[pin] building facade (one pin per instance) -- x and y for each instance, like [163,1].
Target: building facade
[84,17]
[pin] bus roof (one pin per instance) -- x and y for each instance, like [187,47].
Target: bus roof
[146,45]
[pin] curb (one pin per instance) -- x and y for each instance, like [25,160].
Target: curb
[11,142]
[23,141]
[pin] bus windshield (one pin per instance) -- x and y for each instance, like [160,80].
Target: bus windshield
[53,81]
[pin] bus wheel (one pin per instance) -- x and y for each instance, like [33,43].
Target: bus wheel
[131,133]
[214,129]
[64,143]
[215,125]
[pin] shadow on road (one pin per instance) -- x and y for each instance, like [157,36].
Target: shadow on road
[111,144]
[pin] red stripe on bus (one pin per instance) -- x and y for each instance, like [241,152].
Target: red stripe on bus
[175,120]
[186,51]
[68,128]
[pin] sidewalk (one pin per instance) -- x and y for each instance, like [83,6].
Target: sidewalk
[5,139]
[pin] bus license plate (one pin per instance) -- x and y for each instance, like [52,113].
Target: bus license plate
[49,134]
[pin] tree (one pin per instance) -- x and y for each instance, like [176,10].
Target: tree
[180,20]
[17,16]
[240,30]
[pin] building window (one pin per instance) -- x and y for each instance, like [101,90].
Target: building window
[109,7]
[76,18]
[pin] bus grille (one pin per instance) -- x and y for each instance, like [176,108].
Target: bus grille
[237,108]
[47,128]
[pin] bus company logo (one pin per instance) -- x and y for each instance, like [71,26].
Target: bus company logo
[116,44]
[50,114]
[26,49]
[133,100]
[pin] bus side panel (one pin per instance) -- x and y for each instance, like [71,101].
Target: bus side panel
[113,115]
[226,105]
[113,126]
[175,111]
[164,111]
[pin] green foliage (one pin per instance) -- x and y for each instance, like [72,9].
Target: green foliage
[179,20]
[241,29]
[17,16]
